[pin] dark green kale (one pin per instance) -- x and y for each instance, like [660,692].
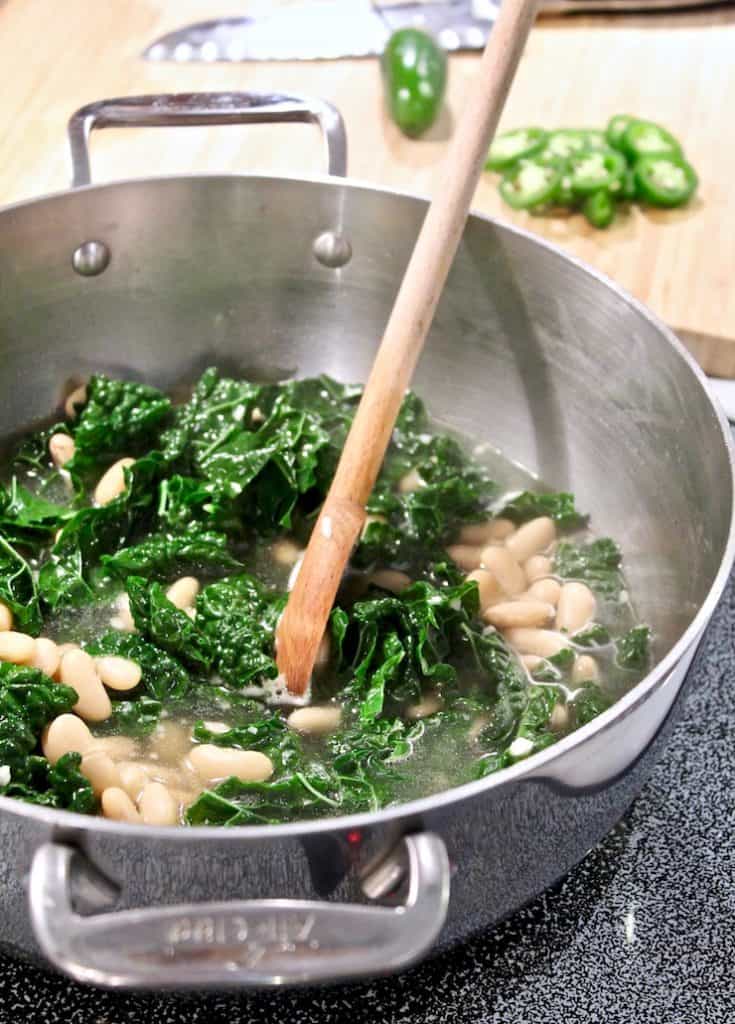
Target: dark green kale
[65,578]
[119,417]
[530,505]
[27,520]
[238,617]
[166,626]
[161,554]
[138,717]
[589,702]
[594,635]
[163,677]
[18,589]
[632,649]
[596,563]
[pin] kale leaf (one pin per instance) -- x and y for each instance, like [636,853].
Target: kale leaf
[530,505]
[166,626]
[119,417]
[632,649]
[163,677]
[18,589]
[596,563]
[160,554]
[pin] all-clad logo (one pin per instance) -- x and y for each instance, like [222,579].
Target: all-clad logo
[272,933]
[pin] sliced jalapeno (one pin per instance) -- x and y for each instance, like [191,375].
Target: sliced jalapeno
[597,170]
[599,209]
[415,75]
[629,190]
[664,180]
[530,184]
[615,129]
[566,141]
[506,149]
[644,138]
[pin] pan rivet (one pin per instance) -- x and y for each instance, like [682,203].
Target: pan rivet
[332,250]
[90,258]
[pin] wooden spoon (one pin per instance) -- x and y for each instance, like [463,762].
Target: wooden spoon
[338,527]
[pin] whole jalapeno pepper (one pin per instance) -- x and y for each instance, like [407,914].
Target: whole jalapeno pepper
[414,72]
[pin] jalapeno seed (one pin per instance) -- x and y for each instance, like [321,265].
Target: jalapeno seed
[112,483]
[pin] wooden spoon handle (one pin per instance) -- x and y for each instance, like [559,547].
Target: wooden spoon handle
[305,617]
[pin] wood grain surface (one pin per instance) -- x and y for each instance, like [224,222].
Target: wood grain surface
[678,68]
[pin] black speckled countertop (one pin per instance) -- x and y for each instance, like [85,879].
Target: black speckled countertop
[643,930]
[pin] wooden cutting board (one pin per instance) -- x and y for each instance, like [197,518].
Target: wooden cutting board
[676,68]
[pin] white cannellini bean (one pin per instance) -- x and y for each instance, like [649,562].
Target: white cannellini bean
[101,771]
[531,538]
[157,806]
[428,706]
[6,618]
[314,720]
[559,718]
[391,579]
[505,568]
[217,727]
[118,673]
[183,593]
[76,397]
[576,607]
[531,662]
[585,669]
[123,620]
[220,762]
[483,533]
[510,614]
[410,482]
[466,557]
[112,483]
[546,590]
[133,778]
[78,671]
[65,734]
[544,642]
[117,805]
[47,657]
[286,552]
[536,567]
[61,448]
[19,648]
[488,587]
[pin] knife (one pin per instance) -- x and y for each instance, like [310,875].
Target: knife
[330,29]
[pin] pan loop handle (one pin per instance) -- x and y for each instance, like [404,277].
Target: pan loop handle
[247,943]
[205,108]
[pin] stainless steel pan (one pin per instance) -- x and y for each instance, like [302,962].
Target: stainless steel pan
[532,352]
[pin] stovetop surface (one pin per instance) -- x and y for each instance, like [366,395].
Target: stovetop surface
[643,930]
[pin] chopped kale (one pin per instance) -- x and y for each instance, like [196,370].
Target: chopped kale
[596,563]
